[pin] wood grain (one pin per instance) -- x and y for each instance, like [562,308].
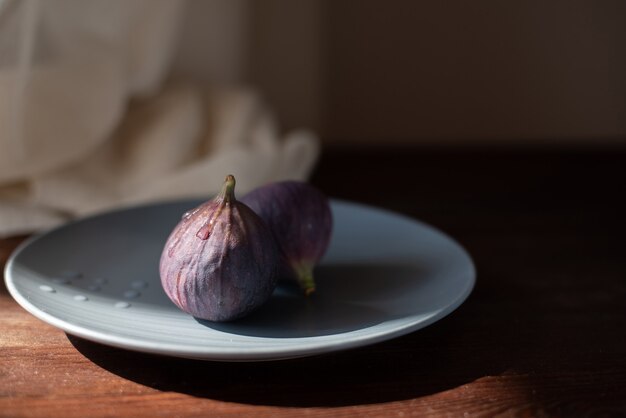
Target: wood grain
[541,335]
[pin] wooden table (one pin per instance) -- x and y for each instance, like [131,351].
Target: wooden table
[543,334]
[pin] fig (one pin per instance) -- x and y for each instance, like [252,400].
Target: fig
[220,262]
[300,219]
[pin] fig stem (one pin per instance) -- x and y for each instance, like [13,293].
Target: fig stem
[228,188]
[305,279]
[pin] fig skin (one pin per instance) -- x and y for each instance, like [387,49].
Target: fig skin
[220,261]
[301,222]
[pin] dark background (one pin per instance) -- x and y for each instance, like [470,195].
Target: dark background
[408,71]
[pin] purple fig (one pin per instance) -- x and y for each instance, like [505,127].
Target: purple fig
[220,261]
[300,219]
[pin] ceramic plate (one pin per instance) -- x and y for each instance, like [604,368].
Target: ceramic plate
[384,275]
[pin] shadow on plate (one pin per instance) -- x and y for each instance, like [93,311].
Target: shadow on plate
[349,297]
[287,316]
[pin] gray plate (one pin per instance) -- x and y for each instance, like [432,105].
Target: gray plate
[384,275]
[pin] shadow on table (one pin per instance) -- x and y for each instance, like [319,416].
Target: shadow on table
[440,357]
[423,363]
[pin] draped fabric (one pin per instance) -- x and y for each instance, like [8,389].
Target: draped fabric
[90,120]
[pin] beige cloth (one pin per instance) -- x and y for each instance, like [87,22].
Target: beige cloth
[88,124]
